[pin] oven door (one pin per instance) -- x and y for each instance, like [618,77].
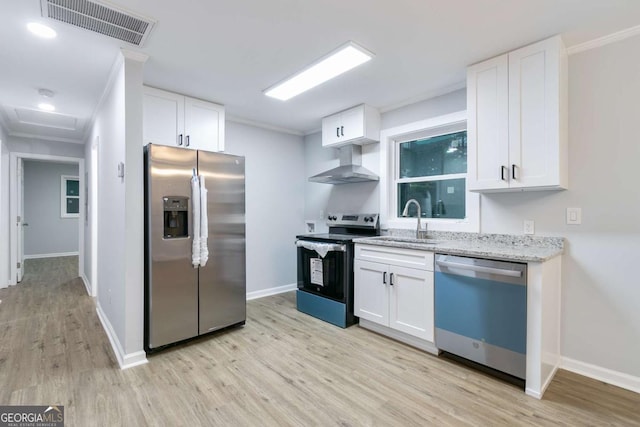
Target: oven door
[327,276]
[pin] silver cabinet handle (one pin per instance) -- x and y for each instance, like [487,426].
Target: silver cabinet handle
[188,143]
[480,269]
[180,139]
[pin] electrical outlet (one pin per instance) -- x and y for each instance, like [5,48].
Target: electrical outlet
[529,226]
[574,216]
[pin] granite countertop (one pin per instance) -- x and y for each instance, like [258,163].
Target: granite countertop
[494,246]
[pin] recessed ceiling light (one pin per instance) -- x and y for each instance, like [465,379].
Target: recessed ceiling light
[341,60]
[41,30]
[46,107]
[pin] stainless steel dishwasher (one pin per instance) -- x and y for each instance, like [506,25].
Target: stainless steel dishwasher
[481,311]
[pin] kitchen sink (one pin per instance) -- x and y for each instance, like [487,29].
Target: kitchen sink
[426,241]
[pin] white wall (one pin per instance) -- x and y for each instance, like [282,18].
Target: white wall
[4,209]
[47,233]
[275,179]
[118,125]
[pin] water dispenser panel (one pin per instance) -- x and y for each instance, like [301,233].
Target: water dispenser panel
[176,217]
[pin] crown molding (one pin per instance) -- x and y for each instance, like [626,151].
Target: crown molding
[46,138]
[136,56]
[243,121]
[602,41]
[425,96]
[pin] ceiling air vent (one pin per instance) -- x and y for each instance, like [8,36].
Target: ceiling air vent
[99,18]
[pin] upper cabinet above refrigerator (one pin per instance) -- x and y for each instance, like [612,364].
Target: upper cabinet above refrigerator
[357,125]
[180,121]
[517,120]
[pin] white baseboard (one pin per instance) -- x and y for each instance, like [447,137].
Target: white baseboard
[271,291]
[599,373]
[87,285]
[54,255]
[124,360]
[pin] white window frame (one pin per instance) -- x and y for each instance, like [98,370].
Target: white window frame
[389,142]
[64,197]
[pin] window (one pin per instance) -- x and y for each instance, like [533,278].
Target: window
[427,161]
[433,172]
[69,196]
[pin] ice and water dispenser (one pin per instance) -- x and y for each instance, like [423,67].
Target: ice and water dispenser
[176,217]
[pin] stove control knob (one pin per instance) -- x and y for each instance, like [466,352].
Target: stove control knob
[366,219]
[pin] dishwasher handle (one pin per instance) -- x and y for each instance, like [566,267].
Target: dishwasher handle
[480,269]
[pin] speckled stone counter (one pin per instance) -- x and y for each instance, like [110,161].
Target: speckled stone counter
[493,246]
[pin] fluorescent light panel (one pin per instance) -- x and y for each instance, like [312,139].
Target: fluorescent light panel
[41,30]
[332,65]
[44,106]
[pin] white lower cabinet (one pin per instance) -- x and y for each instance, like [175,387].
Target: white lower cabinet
[393,288]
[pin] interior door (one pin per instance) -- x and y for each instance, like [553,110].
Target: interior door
[20,219]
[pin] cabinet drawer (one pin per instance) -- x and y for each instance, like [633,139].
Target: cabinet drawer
[411,258]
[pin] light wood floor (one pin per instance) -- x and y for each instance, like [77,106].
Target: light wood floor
[282,368]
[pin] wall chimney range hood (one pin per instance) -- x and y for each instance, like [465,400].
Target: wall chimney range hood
[350,169]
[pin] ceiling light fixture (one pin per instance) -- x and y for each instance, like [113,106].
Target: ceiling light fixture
[41,30]
[341,60]
[46,107]
[45,93]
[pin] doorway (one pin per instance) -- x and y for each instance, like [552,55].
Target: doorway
[72,202]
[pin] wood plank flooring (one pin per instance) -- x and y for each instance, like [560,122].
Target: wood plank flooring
[283,368]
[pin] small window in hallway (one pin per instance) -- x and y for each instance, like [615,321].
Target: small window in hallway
[70,196]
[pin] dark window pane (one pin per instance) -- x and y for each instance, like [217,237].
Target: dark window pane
[73,206]
[440,155]
[438,199]
[73,187]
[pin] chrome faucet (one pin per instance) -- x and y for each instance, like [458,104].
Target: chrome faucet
[420,233]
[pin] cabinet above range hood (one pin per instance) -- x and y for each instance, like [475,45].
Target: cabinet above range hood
[350,169]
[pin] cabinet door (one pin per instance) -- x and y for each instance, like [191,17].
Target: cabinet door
[163,117]
[411,301]
[204,125]
[487,125]
[371,294]
[534,88]
[331,130]
[352,126]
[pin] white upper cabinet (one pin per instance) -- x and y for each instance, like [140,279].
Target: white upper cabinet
[517,120]
[357,125]
[177,120]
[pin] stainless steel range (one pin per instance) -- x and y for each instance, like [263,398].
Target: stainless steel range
[325,267]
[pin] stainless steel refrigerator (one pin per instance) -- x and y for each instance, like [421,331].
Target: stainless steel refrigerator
[183,301]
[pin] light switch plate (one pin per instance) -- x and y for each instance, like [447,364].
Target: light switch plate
[529,226]
[574,216]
